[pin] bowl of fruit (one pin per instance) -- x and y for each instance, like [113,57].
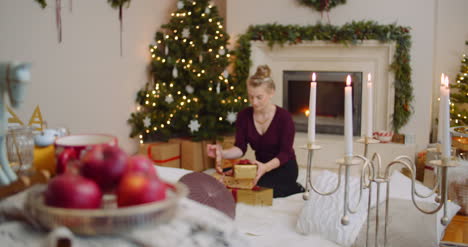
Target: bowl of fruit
[105,192]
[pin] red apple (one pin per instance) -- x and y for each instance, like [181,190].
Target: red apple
[105,165]
[141,163]
[137,188]
[73,191]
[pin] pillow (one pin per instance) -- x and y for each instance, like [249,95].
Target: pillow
[322,214]
[407,226]
[400,187]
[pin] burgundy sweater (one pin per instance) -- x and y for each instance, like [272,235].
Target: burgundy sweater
[276,142]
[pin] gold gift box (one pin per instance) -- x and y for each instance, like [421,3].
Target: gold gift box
[245,171]
[258,197]
[232,182]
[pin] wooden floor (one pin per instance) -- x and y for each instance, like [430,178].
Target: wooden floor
[457,230]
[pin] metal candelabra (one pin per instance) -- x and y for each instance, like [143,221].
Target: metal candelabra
[372,172]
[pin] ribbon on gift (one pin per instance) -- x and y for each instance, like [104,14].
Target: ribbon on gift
[150,155]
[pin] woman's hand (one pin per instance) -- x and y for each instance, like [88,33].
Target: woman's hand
[215,151]
[262,168]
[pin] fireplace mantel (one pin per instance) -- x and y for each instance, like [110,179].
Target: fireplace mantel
[368,57]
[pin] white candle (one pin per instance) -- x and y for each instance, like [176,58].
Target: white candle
[369,106]
[348,124]
[439,124]
[446,143]
[312,99]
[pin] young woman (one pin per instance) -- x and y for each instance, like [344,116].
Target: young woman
[269,130]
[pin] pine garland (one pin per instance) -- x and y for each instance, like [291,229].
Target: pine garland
[348,34]
[118,3]
[322,5]
[42,3]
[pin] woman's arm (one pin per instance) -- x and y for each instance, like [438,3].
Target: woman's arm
[263,168]
[231,153]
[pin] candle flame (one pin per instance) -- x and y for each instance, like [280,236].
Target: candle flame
[369,77]
[307,113]
[446,82]
[314,77]
[348,81]
[442,78]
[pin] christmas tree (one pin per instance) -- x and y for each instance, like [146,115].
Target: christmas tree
[459,96]
[191,92]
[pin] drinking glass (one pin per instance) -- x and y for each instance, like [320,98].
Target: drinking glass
[20,147]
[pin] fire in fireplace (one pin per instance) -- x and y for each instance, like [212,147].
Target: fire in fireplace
[330,100]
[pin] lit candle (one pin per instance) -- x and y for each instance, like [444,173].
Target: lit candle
[439,125]
[348,124]
[312,99]
[444,99]
[369,106]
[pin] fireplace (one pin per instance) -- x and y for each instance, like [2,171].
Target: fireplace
[329,102]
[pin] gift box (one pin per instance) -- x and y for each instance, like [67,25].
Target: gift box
[228,142]
[245,171]
[193,154]
[258,196]
[162,153]
[231,182]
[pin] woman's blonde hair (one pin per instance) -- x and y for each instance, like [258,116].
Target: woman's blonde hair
[262,77]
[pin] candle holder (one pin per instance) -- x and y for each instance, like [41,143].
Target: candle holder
[366,140]
[372,173]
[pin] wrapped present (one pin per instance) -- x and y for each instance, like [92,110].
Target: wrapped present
[244,170]
[228,142]
[162,153]
[231,182]
[258,196]
[193,154]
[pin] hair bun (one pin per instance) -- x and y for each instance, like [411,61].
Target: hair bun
[263,71]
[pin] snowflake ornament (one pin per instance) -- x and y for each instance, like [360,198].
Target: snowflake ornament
[147,122]
[175,73]
[222,52]
[180,5]
[205,38]
[208,10]
[185,33]
[189,89]
[169,99]
[225,73]
[194,125]
[231,117]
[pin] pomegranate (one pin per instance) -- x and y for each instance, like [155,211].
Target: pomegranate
[140,163]
[73,191]
[105,165]
[137,188]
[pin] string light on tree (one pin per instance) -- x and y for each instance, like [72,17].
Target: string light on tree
[194,64]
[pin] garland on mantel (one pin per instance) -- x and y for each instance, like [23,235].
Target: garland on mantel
[349,34]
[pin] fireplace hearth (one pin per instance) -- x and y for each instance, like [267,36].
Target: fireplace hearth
[330,100]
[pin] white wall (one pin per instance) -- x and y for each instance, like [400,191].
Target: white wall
[420,15]
[82,83]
